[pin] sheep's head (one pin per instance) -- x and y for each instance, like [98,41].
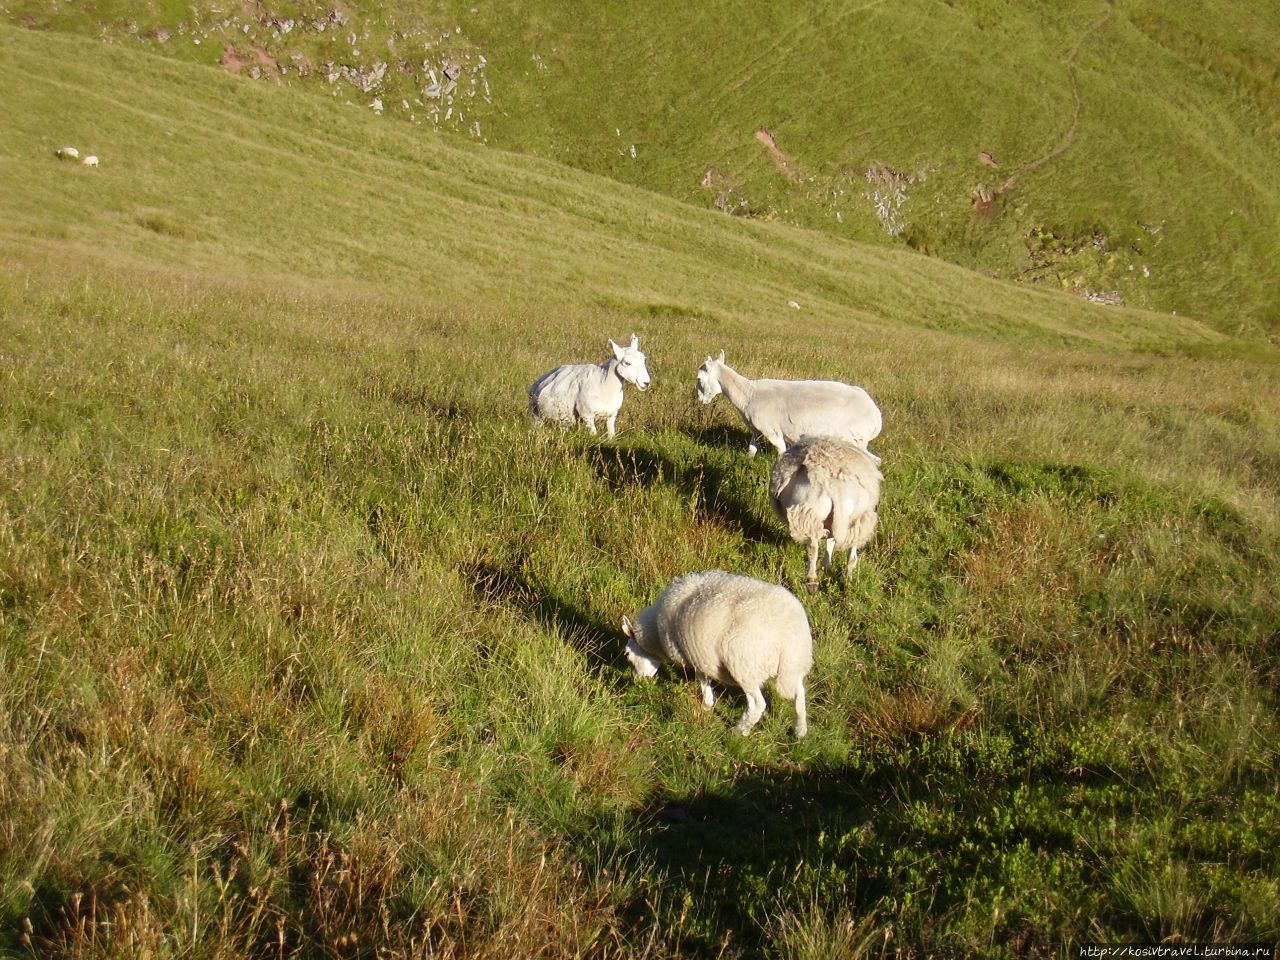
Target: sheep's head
[643,664]
[631,363]
[709,378]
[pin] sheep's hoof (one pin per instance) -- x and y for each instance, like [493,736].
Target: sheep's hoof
[811,586]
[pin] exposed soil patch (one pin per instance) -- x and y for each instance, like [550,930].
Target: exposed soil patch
[883,173]
[729,198]
[232,61]
[266,61]
[987,207]
[259,61]
[780,159]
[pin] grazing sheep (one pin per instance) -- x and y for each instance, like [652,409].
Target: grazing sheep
[826,488]
[584,391]
[730,629]
[67,153]
[783,411]
[90,161]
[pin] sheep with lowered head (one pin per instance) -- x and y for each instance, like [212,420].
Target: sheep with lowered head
[783,411]
[728,629]
[823,488]
[585,391]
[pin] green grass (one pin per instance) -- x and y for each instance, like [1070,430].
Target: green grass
[209,172]
[1136,143]
[309,639]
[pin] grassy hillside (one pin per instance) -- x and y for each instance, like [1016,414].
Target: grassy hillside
[308,638]
[1132,145]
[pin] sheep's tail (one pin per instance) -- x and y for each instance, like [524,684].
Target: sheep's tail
[535,395]
[784,471]
[853,528]
[793,665]
[787,683]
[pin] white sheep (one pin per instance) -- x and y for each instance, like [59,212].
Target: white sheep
[90,161]
[585,391]
[730,629]
[823,488]
[783,411]
[67,153]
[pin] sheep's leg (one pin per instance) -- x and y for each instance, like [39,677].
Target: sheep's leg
[779,443]
[755,710]
[831,552]
[608,424]
[811,582]
[591,424]
[753,444]
[851,562]
[708,693]
[802,716]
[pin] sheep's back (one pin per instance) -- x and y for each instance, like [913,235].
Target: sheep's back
[830,461]
[820,408]
[553,394]
[730,627]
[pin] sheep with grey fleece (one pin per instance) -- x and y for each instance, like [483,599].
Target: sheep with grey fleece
[783,411]
[826,489]
[731,630]
[586,391]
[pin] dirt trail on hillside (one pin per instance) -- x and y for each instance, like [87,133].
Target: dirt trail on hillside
[1070,137]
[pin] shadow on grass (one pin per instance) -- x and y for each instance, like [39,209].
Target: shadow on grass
[599,642]
[735,854]
[723,489]
[890,844]
[723,437]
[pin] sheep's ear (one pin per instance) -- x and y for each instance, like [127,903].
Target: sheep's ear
[617,350]
[628,628]
[720,359]
[635,342]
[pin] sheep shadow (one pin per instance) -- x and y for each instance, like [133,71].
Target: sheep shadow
[721,437]
[717,849]
[719,487]
[515,590]
[828,838]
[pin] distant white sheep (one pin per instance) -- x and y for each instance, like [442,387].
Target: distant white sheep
[90,161]
[823,488]
[730,629]
[783,411]
[586,392]
[67,153]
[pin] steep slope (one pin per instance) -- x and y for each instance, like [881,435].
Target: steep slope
[1122,151]
[211,172]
